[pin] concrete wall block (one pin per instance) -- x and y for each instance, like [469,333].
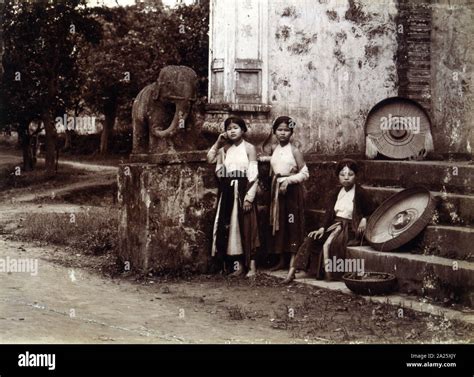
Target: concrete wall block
[166,221]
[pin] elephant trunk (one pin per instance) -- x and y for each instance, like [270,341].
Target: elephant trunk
[179,119]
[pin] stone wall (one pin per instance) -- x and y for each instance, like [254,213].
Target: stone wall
[167,209]
[325,63]
[166,214]
[329,63]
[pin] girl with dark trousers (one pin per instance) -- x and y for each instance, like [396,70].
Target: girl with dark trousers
[345,219]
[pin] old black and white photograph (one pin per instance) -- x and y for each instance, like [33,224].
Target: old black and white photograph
[237,172]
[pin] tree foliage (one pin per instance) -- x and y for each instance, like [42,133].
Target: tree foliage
[138,42]
[39,61]
[71,57]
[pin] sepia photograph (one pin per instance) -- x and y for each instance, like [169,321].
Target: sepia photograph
[237,173]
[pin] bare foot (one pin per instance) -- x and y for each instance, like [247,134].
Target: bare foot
[288,279]
[251,274]
[238,272]
[303,275]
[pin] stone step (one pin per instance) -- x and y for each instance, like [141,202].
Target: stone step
[451,209]
[453,177]
[439,176]
[454,242]
[439,278]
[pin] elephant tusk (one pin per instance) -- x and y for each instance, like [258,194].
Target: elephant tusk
[164,133]
[171,130]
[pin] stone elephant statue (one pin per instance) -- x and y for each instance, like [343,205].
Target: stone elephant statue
[162,109]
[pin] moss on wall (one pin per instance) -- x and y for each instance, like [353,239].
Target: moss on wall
[327,62]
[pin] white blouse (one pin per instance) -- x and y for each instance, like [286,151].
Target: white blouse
[236,158]
[283,162]
[345,203]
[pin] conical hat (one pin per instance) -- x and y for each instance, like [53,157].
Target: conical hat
[398,126]
[400,218]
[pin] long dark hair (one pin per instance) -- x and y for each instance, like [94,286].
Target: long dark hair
[236,120]
[350,163]
[281,119]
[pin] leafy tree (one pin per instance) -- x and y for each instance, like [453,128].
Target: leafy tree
[39,61]
[64,56]
[138,41]
[113,71]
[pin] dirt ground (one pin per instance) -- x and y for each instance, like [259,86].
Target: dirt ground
[112,307]
[81,298]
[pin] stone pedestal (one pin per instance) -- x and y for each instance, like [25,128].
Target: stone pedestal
[167,206]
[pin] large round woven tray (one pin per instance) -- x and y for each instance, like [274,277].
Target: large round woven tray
[400,218]
[397,126]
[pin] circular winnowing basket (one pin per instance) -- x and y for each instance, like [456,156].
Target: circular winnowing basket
[398,127]
[400,218]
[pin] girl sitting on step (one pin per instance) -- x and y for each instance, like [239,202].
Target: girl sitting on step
[235,233]
[345,219]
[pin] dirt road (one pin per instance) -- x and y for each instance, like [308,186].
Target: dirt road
[71,305]
[7,158]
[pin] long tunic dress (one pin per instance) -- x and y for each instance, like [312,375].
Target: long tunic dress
[235,233]
[286,210]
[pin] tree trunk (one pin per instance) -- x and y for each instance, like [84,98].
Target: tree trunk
[51,140]
[69,133]
[67,143]
[107,132]
[25,143]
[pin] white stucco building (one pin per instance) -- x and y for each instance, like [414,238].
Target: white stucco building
[328,62]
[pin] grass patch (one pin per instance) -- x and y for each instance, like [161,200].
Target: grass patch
[12,178]
[100,196]
[92,232]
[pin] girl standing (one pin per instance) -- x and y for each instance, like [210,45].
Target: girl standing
[235,233]
[288,171]
[345,219]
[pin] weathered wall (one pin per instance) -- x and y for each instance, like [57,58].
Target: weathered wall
[326,63]
[452,68]
[166,213]
[329,64]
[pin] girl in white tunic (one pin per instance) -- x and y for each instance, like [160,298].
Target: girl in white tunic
[288,171]
[235,233]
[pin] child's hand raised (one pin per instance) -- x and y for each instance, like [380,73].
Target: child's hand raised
[222,139]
